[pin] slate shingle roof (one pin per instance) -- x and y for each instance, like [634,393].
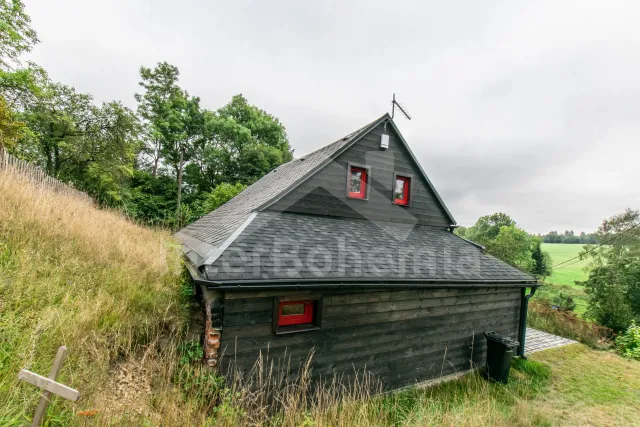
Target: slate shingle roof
[277,246]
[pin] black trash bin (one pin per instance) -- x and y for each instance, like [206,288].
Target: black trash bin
[500,350]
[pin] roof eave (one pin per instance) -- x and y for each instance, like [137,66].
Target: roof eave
[391,283]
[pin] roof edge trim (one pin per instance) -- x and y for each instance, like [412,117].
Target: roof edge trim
[213,255]
[359,283]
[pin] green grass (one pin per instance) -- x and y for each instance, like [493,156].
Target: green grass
[563,277]
[565,274]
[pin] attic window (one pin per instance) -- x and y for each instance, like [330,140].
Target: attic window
[296,315]
[401,190]
[357,181]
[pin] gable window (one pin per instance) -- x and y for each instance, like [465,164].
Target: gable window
[296,315]
[357,181]
[401,190]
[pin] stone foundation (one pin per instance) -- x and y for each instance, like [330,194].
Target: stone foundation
[213,305]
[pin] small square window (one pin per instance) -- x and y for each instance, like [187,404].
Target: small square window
[297,315]
[401,189]
[357,182]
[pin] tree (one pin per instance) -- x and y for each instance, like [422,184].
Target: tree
[10,128]
[488,227]
[17,84]
[174,121]
[156,107]
[220,195]
[541,261]
[75,140]
[613,285]
[512,246]
[502,238]
[16,35]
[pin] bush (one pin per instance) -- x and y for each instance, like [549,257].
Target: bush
[628,343]
[564,302]
[611,309]
[567,324]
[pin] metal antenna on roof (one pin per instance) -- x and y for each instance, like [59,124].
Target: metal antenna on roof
[400,106]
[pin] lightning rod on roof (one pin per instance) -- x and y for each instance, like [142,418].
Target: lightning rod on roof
[402,108]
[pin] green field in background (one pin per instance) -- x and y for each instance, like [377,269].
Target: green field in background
[564,277]
[565,274]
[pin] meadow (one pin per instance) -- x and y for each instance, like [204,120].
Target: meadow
[568,273]
[563,278]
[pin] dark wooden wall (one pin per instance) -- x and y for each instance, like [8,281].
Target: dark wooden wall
[325,192]
[400,336]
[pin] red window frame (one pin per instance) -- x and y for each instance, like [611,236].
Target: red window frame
[405,196]
[296,319]
[363,183]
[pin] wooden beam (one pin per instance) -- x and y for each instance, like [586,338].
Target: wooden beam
[49,385]
[46,396]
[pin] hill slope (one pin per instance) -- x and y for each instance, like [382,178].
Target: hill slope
[75,275]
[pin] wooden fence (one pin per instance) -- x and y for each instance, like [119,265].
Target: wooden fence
[38,176]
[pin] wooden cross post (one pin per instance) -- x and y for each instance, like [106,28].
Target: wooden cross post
[49,385]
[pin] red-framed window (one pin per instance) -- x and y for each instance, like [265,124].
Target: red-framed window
[357,182]
[295,312]
[401,190]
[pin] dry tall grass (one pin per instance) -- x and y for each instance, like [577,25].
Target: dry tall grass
[74,275]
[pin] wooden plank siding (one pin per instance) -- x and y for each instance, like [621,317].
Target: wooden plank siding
[400,335]
[325,192]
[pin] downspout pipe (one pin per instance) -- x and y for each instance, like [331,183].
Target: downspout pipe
[523,319]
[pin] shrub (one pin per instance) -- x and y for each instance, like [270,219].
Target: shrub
[564,302]
[628,343]
[567,324]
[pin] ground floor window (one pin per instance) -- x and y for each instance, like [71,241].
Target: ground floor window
[296,315]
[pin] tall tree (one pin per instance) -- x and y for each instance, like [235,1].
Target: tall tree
[173,120]
[156,107]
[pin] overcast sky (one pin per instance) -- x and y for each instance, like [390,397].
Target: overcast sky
[530,108]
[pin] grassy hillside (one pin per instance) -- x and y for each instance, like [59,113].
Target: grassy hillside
[74,275]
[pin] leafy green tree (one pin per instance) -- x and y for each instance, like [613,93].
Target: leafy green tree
[512,246]
[156,107]
[17,84]
[75,140]
[16,35]
[501,237]
[247,141]
[613,285]
[10,128]
[220,195]
[487,228]
[174,121]
[151,199]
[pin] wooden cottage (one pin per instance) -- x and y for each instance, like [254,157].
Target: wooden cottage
[350,251]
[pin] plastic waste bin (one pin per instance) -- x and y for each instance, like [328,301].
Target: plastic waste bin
[500,350]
